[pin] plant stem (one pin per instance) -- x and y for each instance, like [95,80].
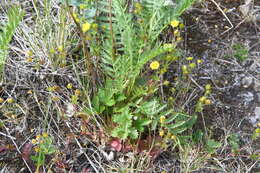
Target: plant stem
[111,30]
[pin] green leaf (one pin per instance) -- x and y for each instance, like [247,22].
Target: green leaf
[34,158]
[197,136]
[175,125]
[212,145]
[182,5]
[110,102]
[139,124]
[171,118]
[120,97]
[95,103]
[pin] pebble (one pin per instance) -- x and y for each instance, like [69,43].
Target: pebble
[258,97]
[255,119]
[246,97]
[247,81]
[257,112]
[257,86]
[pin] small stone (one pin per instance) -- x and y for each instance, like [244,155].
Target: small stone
[246,97]
[256,117]
[258,97]
[257,112]
[247,81]
[255,66]
[257,86]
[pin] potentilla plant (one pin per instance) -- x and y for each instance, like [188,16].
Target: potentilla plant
[124,37]
[43,145]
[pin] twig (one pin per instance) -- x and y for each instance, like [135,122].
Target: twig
[200,87]
[224,16]
[11,137]
[17,148]
[81,148]
[111,30]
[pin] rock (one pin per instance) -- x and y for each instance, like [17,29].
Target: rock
[258,97]
[255,66]
[246,97]
[257,86]
[255,119]
[257,112]
[247,81]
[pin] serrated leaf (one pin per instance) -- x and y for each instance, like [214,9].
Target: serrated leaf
[95,103]
[110,102]
[139,124]
[212,145]
[120,98]
[175,125]
[171,118]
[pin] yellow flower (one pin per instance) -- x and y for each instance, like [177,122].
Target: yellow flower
[166,83]
[29,92]
[175,23]
[208,87]
[199,61]
[208,102]
[34,141]
[138,7]
[1,100]
[179,38]
[154,65]
[189,58]
[161,133]
[55,98]
[173,137]
[45,135]
[257,130]
[10,100]
[60,48]
[38,137]
[184,68]
[77,92]
[29,59]
[36,149]
[258,124]
[82,6]
[202,99]
[192,65]
[181,26]
[169,135]
[69,86]
[52,51]
[162,119]
[86,26]
[170,98]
